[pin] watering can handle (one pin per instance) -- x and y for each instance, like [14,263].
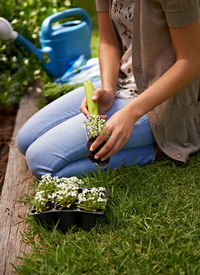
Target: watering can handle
[46,27]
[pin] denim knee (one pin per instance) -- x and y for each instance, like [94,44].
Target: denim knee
[38,161]
[22,140]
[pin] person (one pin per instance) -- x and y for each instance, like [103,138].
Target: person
[149,55]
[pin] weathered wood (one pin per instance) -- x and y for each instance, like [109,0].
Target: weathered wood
[17,186]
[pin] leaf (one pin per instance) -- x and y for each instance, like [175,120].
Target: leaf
[92,105]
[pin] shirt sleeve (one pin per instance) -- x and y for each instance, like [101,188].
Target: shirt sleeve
[180,13]
[102,5]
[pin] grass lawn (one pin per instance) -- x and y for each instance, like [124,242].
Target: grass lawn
[151,225]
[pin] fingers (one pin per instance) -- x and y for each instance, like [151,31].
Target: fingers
[103,116]
[83,108]
[98,141]
[97,93]
[112,146]
[116,138]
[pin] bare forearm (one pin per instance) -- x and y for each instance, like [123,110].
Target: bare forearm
[109,66]
[179,75]
[109,57]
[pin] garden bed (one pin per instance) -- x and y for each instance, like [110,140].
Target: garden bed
[16,186]
[7,120]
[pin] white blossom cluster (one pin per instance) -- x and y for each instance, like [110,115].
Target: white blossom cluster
[67,192]
[51,189]
[94,125]
[40,198]
[92,199]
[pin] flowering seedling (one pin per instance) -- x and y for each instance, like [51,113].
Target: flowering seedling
[46,186]
[93,199]
[51,190]
[67,192]
[94,125]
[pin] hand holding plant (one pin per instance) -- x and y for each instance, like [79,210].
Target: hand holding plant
[94,125]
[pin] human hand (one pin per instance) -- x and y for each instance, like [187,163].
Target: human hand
[104,99]
[118,129]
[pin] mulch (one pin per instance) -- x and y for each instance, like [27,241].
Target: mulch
[7,121]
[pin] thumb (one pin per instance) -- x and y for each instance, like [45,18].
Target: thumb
[97,93]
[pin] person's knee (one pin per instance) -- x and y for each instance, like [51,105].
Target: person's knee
[38,161]
[22,140]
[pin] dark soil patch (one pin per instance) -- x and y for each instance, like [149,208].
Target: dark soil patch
[91,155]
[7,120]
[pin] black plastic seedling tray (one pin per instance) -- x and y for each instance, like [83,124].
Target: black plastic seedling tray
[68,218]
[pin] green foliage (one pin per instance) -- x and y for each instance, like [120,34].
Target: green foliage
[18,67]
[52,90]
[151,226]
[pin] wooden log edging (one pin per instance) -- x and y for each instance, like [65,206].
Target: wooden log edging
[17,186]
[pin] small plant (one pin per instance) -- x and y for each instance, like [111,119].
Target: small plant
[92,199]
[67,193]
[94,125]
[42,201]
[52,91]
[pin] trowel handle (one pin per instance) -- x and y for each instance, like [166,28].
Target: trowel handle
[46,27]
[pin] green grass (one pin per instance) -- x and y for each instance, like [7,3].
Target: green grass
[151,226]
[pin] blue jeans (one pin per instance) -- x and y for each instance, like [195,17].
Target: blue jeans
[54,139]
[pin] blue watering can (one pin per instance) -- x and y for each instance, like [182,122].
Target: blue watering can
[61,44]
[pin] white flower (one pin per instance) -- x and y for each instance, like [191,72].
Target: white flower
[94,190]
[34,35]
[21,13]
[43,9]
[33,13]
[67,2]
[36,72]
[102,189]
[4,58]
[26,61]
[94,125]
[14,59]
[14,21]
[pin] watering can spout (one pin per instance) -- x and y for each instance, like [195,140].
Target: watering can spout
[7,33]
[43,55]
[30,47]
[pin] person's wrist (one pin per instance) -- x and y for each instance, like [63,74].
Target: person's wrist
[110,91]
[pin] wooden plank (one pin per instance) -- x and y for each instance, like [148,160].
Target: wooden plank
[16,187]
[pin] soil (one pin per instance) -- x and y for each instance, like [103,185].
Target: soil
[7,120]
[91,155]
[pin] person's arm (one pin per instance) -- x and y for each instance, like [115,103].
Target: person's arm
[109,61]
[109,58]
[186,41]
